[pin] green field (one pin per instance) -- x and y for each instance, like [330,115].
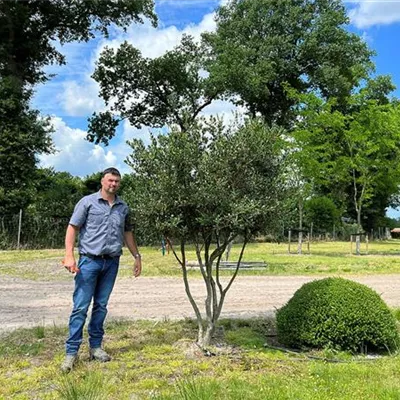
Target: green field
[324,258]
[157,360]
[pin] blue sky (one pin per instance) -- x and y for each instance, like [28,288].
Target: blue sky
[71,97]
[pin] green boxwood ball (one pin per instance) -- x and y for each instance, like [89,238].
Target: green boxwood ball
[337,313]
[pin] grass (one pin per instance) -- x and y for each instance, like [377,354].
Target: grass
[156,360]
[325,258]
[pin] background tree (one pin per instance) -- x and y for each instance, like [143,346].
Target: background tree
[28,30]
[56,194]
[169,90]
[358,148]
[260,46]
[207,186]
[23,135]
[91,183]
[322,214]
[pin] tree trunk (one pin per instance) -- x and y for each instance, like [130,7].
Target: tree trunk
[359,229]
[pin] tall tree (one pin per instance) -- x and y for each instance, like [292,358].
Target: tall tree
[260,46]
[172,89]
[28,30]
[23,135]
[207,186]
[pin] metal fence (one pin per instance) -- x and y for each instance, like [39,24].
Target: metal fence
[24,231]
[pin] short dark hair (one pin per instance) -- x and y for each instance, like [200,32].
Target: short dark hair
[110,170]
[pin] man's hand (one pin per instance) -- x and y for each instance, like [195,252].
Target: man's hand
[70,264]
[137,267]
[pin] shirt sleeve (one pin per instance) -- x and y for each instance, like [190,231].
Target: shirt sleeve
[128,222]
[80,213]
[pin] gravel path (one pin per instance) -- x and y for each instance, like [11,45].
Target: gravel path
[25,303]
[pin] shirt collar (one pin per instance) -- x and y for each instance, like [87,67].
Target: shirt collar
[100,197]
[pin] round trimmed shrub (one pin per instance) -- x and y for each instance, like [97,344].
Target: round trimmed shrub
[337,313]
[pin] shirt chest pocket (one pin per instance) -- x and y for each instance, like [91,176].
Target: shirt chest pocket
[118,219]
[95,218]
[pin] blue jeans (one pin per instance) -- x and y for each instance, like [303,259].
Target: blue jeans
[95,280]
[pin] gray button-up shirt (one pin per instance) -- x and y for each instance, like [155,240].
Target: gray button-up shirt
[101,226]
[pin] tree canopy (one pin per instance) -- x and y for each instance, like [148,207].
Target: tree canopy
[23,135]
[28,32]
[351,154]
[168,90]
[28,29]
[261,46]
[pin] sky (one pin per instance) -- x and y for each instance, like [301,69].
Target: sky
[72,95]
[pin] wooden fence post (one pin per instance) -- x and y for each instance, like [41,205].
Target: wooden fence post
[19,229]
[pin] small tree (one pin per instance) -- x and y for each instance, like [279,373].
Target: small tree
[356,147]
[322,213]
[207,186]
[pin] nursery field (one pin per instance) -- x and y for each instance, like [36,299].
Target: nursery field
[324,258]
[154,355]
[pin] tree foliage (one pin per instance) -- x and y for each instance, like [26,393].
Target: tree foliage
[322,213]
[261,46]
[351,153]
[28,30]
[169,90]
[23,135]
[56,194]
[207,186]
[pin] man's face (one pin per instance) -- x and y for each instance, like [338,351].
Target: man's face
[110,183]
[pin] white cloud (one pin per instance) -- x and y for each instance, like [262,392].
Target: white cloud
[154,42]
[80,157]
[366,13]
[76,155]
[80,99]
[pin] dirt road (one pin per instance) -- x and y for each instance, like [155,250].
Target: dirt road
[25,303]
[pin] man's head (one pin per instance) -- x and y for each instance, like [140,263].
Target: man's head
[110,180]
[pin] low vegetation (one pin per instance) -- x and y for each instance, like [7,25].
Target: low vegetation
[157,360]
[337,313]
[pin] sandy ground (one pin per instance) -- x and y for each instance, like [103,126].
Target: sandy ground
[25,303]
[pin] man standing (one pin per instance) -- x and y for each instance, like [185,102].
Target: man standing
[102,220]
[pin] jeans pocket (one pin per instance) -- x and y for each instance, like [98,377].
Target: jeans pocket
[82,261]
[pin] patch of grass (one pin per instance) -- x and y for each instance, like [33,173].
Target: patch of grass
[151,361]
[39,331]
[325,257]
[246,338]
[198,390]
[90,386]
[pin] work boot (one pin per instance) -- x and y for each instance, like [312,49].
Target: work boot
[99,354]
[69,362]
